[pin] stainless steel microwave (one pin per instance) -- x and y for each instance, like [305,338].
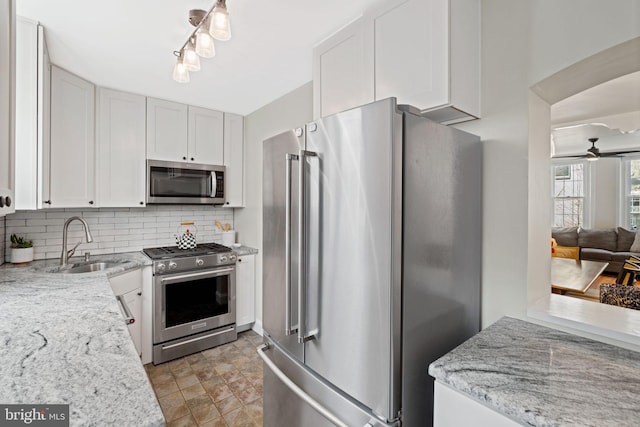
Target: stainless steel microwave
[185,183]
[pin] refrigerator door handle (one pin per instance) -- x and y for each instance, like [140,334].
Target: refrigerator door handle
[288,330]
[302,312]
[297,390]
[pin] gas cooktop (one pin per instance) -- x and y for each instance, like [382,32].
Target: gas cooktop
[201,249]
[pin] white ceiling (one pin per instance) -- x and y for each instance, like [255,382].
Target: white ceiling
[615,103]
[128,45]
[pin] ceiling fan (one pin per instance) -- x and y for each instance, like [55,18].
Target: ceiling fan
[593,153]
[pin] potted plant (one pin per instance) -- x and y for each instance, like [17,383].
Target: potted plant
[21,250]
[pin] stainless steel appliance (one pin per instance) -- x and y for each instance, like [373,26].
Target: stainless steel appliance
[372,254]
[185,183]
[194,299]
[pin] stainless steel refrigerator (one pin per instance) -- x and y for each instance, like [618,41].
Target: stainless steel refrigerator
[371,265]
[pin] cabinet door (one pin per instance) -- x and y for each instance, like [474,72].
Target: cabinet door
[7,102]
[72,157]
[205,136]
[121,149]
[245,290]
[342,71]
[234,160]
[133,300]
[26,152]
[166,130]
[411,62]
[129,285]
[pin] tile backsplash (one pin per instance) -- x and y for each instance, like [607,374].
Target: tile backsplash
[114,230]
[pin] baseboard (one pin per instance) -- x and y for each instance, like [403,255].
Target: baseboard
[257,327]
[243,328]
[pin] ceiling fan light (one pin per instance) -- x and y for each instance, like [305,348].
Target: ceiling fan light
[204,43]
[180,72]
[191,59]
[220,26]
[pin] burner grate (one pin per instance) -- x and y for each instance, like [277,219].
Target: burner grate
[175,252]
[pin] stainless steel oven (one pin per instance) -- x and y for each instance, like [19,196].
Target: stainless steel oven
[194,301]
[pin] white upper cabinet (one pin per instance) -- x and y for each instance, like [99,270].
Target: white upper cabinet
[410,51]
[166,130]
[120,147]
[72,142]
[426,53]
[234,160]
[33,85]
[342,71]
[205,136]
[7,104]
[182,133]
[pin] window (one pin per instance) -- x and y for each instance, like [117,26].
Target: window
[569,192]
[631,196]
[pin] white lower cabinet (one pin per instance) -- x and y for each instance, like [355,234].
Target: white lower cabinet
[133,300]
[129,286]
[453,409]
[245,292]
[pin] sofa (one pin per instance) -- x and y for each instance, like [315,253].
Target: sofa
[608,245]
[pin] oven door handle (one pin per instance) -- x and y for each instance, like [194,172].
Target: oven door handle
[128,317]
[197,275]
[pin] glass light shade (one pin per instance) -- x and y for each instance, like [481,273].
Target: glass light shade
[204,43]
[191,59]
[220,25]
[180,72]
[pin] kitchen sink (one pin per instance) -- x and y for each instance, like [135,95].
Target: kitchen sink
[89,267]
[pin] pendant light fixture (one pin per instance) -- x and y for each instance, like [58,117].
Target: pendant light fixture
[191,59]
[220,27]
[209,25]
[204,43]
[180,72]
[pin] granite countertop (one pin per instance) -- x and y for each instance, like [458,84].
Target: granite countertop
[243,250]
[64,341]
[544,377]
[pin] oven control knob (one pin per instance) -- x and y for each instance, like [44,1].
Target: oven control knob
[232,258]
[173,265]
[160,267]
[223,258]
[199,262]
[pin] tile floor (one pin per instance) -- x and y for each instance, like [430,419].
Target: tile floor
[219,387]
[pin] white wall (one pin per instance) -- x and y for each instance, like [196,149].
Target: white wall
[524,42]
[292,110]
[504,132]
[606,188]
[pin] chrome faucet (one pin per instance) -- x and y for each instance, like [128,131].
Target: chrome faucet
[64,257]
